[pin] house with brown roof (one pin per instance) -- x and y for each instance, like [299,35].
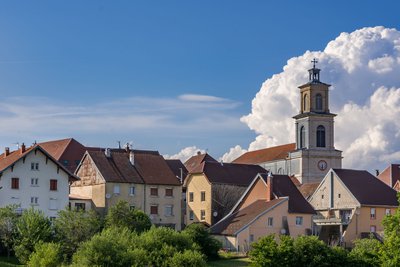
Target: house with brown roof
[68,152]
[142,178]
[270,205]
[390,175]
[213,188]
[313,153]
[351,204]
[32,178]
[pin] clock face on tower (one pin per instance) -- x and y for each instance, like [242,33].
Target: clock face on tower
[322,165]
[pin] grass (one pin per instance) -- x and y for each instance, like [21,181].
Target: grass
[11,262]
[230,259]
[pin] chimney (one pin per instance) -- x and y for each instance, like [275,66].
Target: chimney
[132,157]
[198,153]
[107,152]
[6,151]
[377,172]
[22,149]
[270,189]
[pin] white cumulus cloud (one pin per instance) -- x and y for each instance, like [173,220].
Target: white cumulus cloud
[363,68]
[185,153]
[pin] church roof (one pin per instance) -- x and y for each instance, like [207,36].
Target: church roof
[266,154]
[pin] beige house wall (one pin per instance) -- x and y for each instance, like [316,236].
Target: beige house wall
[258,191]
[197,183]
[297,230]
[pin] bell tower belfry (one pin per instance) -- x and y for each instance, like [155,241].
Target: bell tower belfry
[315,152]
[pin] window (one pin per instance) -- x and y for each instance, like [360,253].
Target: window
[302,137]
[372,214]
[132,207]
[34,200]
[338,195]
[203,195]
[251,238]
[154,191]
[53,204]
[34,181]
[322,196]
[53,185]
[14,183]
[191,215]
[169,192]
[34,166]
[388,212]
[373,229]
[318,102]
[132,190]
[80,206]
[320,136]
[168,210]
[191,197]
[270,221]
[153,209]
[116,189]
[202,215]
[299,220]
[305,102]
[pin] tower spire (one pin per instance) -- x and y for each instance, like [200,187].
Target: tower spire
[314,72]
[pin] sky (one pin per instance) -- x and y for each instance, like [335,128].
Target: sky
[182,76]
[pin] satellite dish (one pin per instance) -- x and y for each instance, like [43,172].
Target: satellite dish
[108,195]
[283,231]
[215,213]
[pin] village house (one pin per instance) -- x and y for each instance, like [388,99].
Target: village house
[213,188]
[313,153]
[351,204]
[32,178]
[142,178]
[270,205]
[391,176]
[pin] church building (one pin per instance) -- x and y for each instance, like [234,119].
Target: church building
[313,153]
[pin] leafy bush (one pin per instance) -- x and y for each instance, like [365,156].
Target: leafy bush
[73,227]
[111,247]
[31,228]
[365,252]
[45,255]
[209,246]
[120,215]
[188,258]
[265,252]
[8,221]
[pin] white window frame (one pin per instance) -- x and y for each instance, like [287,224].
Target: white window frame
[202,215]
[373,213]
[270,221]
[34,182]
[34,166]
[132,191]
[168,210]
[35,201]
[299,220]
[388,212]
[117,189]
[191,215]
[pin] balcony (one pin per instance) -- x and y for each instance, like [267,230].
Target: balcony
[332,220]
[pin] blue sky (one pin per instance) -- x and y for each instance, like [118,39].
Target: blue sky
[148,63]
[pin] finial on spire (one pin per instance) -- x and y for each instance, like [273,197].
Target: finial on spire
[314,72]
[314,61]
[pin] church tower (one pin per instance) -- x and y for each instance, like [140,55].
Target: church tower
[315,152]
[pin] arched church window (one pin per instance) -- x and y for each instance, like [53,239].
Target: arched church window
[318,102]
[302,137]
[305,102]
[320,136]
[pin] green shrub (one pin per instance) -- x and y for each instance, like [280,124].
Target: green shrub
[208,245]
[188,258]
[46,255]
[365,252]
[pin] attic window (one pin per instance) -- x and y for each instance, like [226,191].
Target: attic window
[338,195]
[322,196]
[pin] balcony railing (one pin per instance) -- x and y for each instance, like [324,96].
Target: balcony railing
[332,220]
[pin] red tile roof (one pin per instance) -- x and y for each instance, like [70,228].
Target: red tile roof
[68,152]
[283,186]
[266,154]
[149,167]
[194,162]
[307,190]
[366,188]
[239,219]
[14,156]
[390,175]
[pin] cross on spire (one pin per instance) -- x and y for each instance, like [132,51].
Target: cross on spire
[314,61]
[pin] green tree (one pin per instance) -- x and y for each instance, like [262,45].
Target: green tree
[209,246]
[310,251]
[8,220]
[188,258]
[73,227]
[120,215]
[365,252]
[112,247]
[389,253]
[264,252]
[45,255]
[31,228]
